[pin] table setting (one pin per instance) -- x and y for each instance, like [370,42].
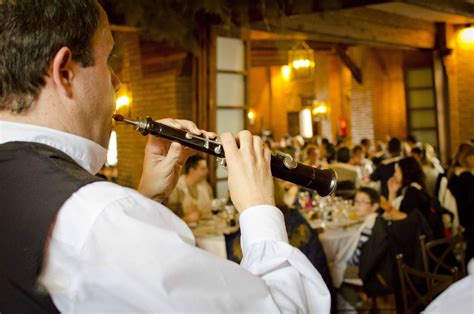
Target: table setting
[338,227]
[209,231]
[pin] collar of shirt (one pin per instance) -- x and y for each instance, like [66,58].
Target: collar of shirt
[88,154]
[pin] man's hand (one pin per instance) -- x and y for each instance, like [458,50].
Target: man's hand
[164,159]
[250,176]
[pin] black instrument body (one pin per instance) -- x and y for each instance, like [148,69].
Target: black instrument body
[283,166]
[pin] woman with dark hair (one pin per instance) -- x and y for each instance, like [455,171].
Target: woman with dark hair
[407,194]
[407,187]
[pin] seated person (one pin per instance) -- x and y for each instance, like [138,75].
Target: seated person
[313,157]
[406,193]
[192,197]
[384,171]
[345,171]
[461,184]
[431,172]
[348,176]
[358,159]
[366,206]
[383,235]
[394,232]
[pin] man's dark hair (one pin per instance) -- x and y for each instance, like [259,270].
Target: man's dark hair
[364,141]
[418,151]
[343,155]
[394,146]
[192,162]
[31,33]
[411,138]
[373,194]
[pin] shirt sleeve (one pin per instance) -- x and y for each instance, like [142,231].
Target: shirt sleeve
[138,257]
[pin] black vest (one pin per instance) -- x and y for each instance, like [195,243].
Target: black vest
[35,181]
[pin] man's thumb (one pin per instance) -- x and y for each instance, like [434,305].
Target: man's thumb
[173,155]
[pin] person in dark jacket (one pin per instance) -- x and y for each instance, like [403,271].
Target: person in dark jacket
[393,233]
[407,193]
[385,170]
[461,184]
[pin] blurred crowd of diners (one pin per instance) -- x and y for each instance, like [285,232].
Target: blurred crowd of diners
[404,184]
[361,163]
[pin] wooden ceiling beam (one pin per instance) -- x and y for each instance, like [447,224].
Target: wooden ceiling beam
[346,59]
[358,26]
[458,7]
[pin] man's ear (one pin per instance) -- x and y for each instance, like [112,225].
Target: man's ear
[62,71]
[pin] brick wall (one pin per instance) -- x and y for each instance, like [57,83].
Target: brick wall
[465,94]
[378,109]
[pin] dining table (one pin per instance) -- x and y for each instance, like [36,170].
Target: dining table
[210,234]
[337,237]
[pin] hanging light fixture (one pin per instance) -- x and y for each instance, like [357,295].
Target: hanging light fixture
[301,61]
[320,108]
[466,36]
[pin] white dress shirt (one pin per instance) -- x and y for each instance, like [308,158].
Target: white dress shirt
[114,250]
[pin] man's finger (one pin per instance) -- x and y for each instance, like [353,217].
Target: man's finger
[229,144]
[210,135]
[258,148]
[188,125]
[267,154]
[157,145]
[173,156]
[181,124]
[246,142]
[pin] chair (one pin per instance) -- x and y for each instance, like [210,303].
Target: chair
[346,189]
[415,295]
[445,255]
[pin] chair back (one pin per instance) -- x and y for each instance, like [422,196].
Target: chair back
[445,255]
[414,294]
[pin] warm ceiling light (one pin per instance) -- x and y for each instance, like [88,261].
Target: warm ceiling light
[122,102]
[320,109]
[301,63]
[301,60]
[286,72]
[466,35]
[251,115]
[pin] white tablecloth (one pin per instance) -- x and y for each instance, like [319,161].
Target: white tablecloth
[336,244]
[212,243]
[210,236]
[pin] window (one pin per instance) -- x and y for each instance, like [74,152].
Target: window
[231,94]
[421,105]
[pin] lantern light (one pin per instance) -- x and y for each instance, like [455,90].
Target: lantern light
[301,61]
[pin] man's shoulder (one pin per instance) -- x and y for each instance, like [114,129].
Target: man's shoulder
[104,193]
[87,205]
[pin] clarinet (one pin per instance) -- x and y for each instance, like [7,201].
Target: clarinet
[283,166]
